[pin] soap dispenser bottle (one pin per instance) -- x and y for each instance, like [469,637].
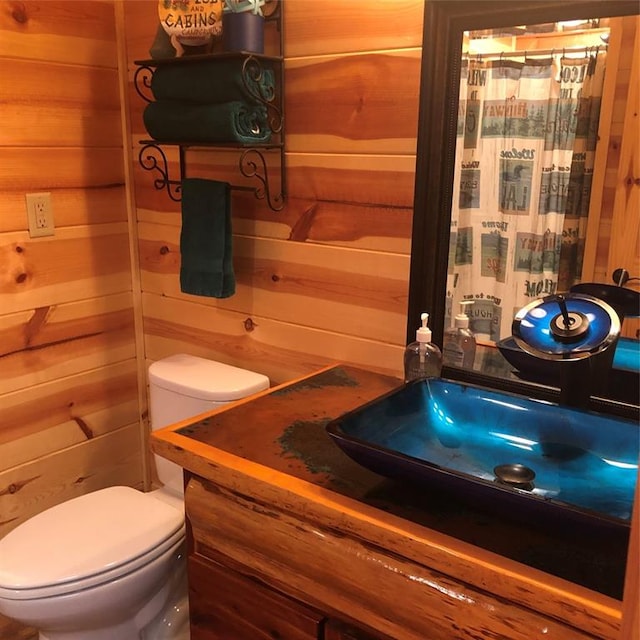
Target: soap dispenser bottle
[459,343]
[422,358]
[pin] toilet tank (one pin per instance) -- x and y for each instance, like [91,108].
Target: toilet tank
[183,386]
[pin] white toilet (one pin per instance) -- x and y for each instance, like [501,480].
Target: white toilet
[110,565]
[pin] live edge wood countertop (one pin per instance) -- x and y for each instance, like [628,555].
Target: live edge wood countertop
[268,489]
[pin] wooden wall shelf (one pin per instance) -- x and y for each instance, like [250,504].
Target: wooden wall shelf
[254,159]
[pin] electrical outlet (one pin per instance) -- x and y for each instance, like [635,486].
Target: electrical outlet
[40,214]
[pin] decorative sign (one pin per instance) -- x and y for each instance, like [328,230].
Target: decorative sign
[192,22]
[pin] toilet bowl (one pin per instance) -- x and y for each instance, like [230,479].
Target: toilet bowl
[113,561]
[110,565]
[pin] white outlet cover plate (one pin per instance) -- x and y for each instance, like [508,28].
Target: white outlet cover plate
[39,214]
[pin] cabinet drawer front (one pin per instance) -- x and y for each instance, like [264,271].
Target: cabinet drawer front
[346,576]
[225,605]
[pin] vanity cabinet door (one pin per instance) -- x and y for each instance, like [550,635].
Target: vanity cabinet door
[225,605]
[336,630]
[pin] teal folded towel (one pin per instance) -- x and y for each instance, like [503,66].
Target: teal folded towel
[232,122]
[213,82]
[206,266]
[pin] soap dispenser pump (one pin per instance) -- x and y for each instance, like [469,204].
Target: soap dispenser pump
[422,358]
[459,343]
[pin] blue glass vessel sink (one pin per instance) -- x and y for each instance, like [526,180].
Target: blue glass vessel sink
[526,457]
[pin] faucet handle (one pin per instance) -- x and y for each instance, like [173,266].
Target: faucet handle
[567,326]
[620,277]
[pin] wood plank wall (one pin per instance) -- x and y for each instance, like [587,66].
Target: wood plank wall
[615,175]
[326,279]
[623,181]
[70,415]
[68,376]
[619,224]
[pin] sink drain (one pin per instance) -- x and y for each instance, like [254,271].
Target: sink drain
[515,475]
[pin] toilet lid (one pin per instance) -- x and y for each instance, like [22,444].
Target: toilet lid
[85,536]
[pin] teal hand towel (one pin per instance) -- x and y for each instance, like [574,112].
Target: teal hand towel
[206,266]
[231,122]
[213,81]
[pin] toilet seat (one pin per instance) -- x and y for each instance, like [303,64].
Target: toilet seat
[86,541]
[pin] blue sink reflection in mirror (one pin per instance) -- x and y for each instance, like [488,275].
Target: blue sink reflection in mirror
[543,359]
[619,380]
[625,358]
[580,332]
[623,380]
[568,465]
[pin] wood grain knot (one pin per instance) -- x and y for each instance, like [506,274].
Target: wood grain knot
[275,278]
[84,427]
[21,277]
[19,13]
[12,488]
[249,325]
[19,249]
[164,250]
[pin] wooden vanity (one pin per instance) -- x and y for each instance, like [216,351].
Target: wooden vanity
[291,540]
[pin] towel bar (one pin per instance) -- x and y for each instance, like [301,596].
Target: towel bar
[252,164]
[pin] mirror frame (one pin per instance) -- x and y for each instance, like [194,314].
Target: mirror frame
[444,24]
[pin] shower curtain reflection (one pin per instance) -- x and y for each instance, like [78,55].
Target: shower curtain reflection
[526,139]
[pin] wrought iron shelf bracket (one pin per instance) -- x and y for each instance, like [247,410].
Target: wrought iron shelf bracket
[252,164]
[153,158]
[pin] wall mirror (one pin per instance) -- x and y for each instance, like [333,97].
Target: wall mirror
[439,172]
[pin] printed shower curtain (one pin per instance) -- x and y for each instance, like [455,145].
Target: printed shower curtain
[524,158]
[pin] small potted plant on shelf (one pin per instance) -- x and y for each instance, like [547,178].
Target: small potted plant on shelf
[243,25]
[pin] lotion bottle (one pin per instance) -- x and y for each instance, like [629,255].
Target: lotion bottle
[459,343]
[422,358]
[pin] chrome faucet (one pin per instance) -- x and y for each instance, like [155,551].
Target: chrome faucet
[578,330]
